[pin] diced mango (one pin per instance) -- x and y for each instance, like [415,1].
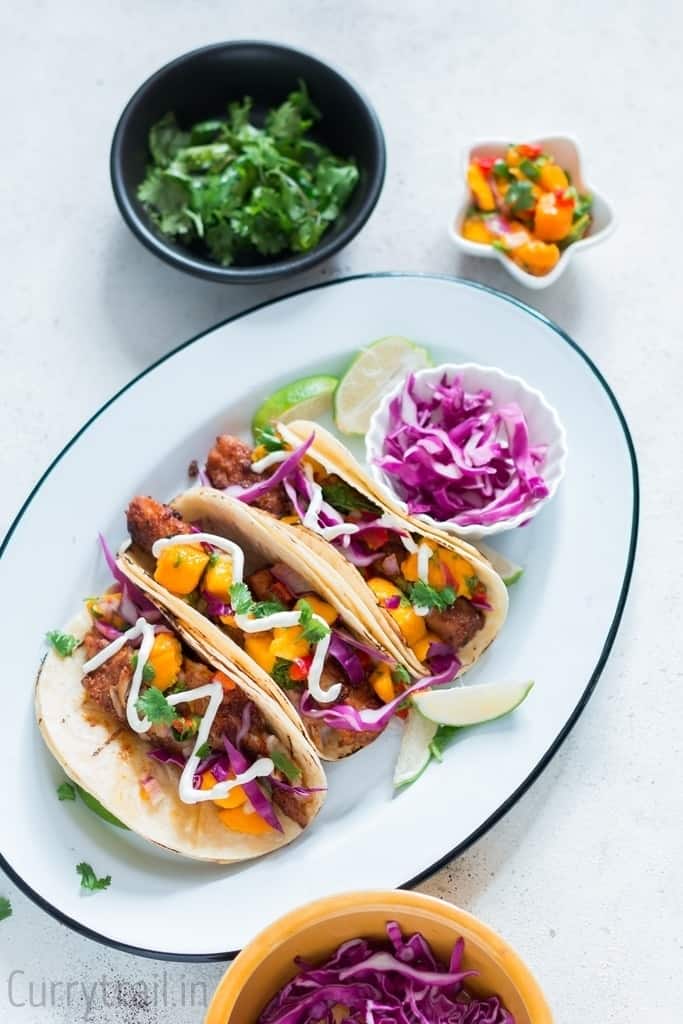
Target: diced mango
[552,177]
[218,576]
[409,567]
[225,681]
[166,658]
[240,819]
[235,798]
[411,624]
[457,569]
[259,452]
[258,647]
[382,683]
[382,588]
[480,188]
[422,646]
[474,230]
[321,608]
[288,643]
[536,257]
[179,567]
[552,220]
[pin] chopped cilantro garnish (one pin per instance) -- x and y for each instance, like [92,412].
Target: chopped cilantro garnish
[422,595]
[189,727]
[261,609]
[269,438]
[235,188]
[204,751]
[148,672]
[530,169]
[213,558]
[472,583]
[153,705]
[520,196]
[313,630]
[63,643]
[499,245]
[584,205]
[442,737]
[345,498]
[240,598]
[178,560]
[281,674]
[287,767]
[66,791]
[399,674]
[5,908]
[501,170]
[89,879]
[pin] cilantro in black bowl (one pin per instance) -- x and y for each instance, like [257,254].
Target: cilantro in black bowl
[247,161]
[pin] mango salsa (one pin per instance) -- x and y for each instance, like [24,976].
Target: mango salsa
[523,203]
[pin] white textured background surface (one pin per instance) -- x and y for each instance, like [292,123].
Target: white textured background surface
[584,874]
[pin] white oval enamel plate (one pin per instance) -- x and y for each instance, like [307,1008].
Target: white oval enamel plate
[142,442]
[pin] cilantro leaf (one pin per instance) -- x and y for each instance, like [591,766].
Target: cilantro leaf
[66,791]
[63,643]
[287,767]
[5,908]
[166,140]
[269,438]
[442,737]
[234,189]
[399,674]
[241,599]
[312,629]
[89,879]
[583,206]
[261,609]
[148,672]
[153,705]
[530,169]
[520,196]
[422,595]
[281,674]
[501,171]
[204,751]
[472,582]
[345,498]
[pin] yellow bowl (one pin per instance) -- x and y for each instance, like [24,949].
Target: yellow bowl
[315,930]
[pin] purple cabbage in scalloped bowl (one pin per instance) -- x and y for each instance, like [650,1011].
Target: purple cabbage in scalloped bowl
[467,449]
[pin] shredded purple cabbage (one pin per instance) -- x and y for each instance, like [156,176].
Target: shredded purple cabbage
[284,470]
[402,984]
[259,801]
[129,591]
[345,716]
[344,653]
[455,457]
[166,757]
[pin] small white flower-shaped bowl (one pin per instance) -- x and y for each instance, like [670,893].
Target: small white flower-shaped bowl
[542,421]
[565,150]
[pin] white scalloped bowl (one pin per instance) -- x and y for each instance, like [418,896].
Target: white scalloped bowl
[565,149]
[542,421]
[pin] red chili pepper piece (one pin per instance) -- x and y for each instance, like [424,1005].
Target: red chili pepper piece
[485,163]
[299,669]
[562,199]
[376,537]
[526,149]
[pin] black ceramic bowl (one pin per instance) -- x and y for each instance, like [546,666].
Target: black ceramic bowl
[199,85]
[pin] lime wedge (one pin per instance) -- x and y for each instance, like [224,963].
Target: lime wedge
[414,754]
[508,570]
[471,705]
[375,371]
[96,807]
[307,398]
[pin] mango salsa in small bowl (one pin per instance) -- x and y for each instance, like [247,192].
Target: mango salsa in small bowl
[528,205]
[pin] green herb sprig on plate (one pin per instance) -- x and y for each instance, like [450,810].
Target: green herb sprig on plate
[237,190]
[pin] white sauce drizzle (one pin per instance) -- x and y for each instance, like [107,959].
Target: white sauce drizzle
[278,620]
[214,691]
[424,553]
[271,459]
